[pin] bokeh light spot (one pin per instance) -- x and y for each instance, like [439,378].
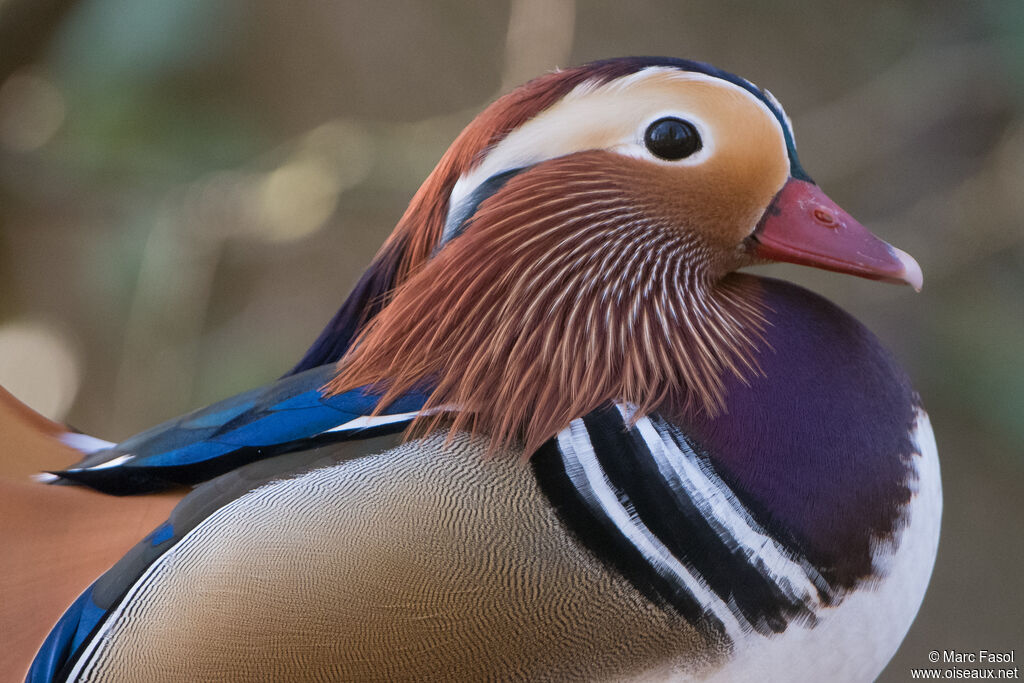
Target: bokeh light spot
[298,197]
[31,110]
[39,367]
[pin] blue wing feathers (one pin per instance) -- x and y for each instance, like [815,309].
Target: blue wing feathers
[164,532]
[186,455]
[74,626]
[287,414]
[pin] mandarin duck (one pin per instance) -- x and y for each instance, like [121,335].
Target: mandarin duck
[551,434]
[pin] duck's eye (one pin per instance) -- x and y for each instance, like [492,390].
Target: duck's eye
[671,138]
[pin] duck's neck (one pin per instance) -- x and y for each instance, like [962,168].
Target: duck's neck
[557,300]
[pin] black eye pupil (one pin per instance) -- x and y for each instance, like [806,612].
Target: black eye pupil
[671,138]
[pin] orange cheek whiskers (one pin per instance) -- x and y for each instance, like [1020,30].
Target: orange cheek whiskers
[530,319]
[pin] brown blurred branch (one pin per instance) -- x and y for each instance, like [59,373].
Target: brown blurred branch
[881,117]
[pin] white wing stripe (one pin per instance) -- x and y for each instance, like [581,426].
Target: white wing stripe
[365,422]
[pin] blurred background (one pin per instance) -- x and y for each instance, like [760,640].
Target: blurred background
[188,189]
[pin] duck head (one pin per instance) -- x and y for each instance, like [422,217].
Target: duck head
[578,245]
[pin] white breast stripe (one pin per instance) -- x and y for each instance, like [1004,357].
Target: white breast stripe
[728,517]
[588,477]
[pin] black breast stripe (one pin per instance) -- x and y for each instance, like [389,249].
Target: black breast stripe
[592,526]
[672,493]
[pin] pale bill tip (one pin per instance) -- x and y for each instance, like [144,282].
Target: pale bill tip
[912,274]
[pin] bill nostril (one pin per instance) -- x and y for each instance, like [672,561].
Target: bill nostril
[825,217]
